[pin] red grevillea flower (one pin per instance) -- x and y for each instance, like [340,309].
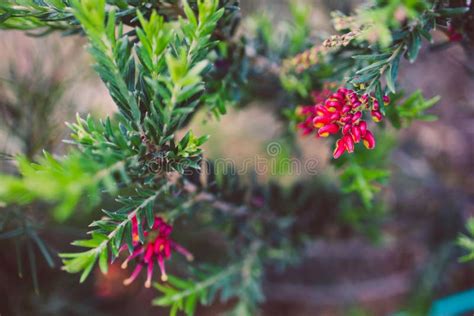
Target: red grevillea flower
[156,247]
[341,112]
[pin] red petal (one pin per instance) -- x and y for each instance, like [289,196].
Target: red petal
[376,116]
[339,150]
[328,129]
[369,140]
[356,134]
[363,128]
[349,143]
[347,128]
[356,116]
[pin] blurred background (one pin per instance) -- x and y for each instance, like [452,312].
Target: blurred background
[430,194]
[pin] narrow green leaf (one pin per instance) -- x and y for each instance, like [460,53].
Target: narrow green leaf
[375,65]
[12,233]
[88,268]
[414,46]
[128,236]
[118,237]
[190,305]
[141,235]
[379,96]
[453,11]
[150,215]
[189,13]
[32,260]
[42,247]
[19,259]
[103,261]
[372,56]
[389,80]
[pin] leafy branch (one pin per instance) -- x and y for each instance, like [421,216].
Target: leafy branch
[153,104]
[383,60]
[183,295]
[412,108]
[241,279]
[110,232]
[64,181]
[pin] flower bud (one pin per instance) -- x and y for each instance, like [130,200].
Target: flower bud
[376,116]
[369,140]
[363,127]
[356,134]
[321,110]
[328,129]
[349,143]
[356,117]
[345,109]
[320,121]
[356,104]
[347,128]
[334,117]
[347,118]
[375,105]
[340,149]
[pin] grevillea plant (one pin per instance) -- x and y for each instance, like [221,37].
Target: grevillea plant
[164,61]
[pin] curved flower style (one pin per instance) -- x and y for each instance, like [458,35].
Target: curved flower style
[342,112]
[157,246]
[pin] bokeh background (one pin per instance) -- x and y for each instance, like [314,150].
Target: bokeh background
[430,196]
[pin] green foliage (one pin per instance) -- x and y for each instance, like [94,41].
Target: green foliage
[389,15]
[45,16]
[85,261]
[154,94]
[38,93]
[64,181]
[362,176]
[388,31]
[384,63]
[161,61]
[112,52]
[241,279]
[300,27]
[23,231]
[365,172]
[110,232]
[467,241]
[293,35]
[183,295]
[31,14]
[410,109]
[365,181]
[162,88]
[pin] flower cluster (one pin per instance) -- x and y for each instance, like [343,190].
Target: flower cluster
[342,111]
[157,246]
